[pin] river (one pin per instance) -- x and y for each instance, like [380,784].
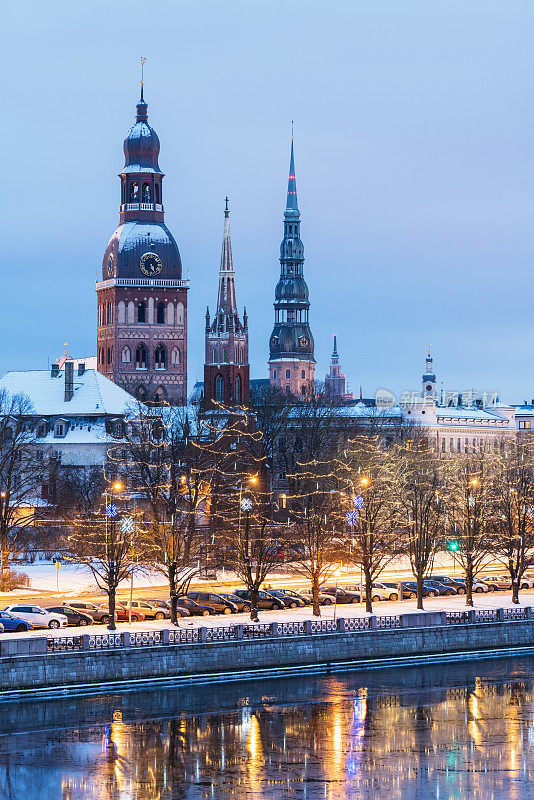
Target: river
[450,732]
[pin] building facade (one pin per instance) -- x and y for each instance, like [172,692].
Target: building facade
[291,358]
[142,297]
[226,367]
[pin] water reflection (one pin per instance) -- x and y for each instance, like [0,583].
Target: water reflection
[448,733]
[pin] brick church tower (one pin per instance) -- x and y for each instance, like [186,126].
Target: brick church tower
[142,299]
[291,361]
[226,367]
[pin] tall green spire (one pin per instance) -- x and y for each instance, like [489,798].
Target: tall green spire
[292,203]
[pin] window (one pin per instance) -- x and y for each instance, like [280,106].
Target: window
[225,355]
[288,391]
[146,193]
[141,357]
[160,314]
[141,312]
[219,388]
[303,390]
[288,374]
[160,396]
[160,357]
[274,374]
[283,500]
[156,192]
[214,359]
[180,314]
[131,312]
[443,443]
[119,430]
[126,355]
[170,314]
[121,313]
[303,374]
[134,192]
[109,356]
[175,356]
[60,429]
[238,389]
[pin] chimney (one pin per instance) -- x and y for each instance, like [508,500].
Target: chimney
[54,372]
[69,380]
[81,367]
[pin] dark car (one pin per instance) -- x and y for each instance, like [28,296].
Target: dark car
[296,595]
[181,611]
[195,609]
[242,605]
[343,595]
[219,603]
[457,585]
[440,588]
[96,612]
[288,600]
[265,600]
[10,622]
[427,591]
[75,616]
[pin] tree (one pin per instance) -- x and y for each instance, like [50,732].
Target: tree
[370,472]
[419,493]
[103,544]
[21,477]
[469,507]
[512,522]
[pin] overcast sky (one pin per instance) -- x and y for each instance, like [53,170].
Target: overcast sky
[414,144]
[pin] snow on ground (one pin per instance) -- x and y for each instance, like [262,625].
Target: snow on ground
[73,578]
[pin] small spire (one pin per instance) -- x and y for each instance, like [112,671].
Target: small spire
[334,354]
[429,350]
[361,395]
[226,212]
[143,61]
[142,113]
[292,204]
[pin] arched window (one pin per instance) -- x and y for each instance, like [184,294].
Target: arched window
[146,193]
[170,314]
[141,356]
[238,389]
[126,355]
[303,390]
[156,192]
[175,356]
[303,374]
[236,356]
[288,391]
[214,355]
[160,318]
[180,314]
[141,393]
[274,374]
[219,388]
[225,355]
[134,192]
[109,356]
[288,374]
[121,313]
[131,312]
[141,312]
[160,357]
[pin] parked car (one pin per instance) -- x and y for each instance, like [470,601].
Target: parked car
[324,599]
[195,609]
[297,595]
[479,586]
[379,592]
[149,610]
[217,601]
[265,600]
[96,612]
[74,615]
[122,614]
[288,600]
[454,583]
[181,611]
[428,591]
[242,605]
[343,595]
[406,592]
[38,616]
[11,623]
[439,588]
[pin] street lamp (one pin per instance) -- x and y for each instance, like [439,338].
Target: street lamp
[110,514]
[337,573]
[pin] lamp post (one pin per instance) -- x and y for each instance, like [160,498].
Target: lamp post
[110,515]
[337,573]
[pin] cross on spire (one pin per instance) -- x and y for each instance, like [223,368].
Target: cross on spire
[143,61]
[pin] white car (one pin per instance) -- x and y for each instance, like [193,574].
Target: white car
[38,616]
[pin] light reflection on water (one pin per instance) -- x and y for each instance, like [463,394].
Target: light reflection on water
[461,732]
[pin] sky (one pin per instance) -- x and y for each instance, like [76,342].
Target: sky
[414,155]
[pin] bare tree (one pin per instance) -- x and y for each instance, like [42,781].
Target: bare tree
[21,477]
[512,539]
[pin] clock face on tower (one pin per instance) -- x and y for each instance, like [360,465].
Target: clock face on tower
[304,341]
[150,264]
[110,268]
[274,341]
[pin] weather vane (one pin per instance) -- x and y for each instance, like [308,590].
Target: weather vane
[143,61]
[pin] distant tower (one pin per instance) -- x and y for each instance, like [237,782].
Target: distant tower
[429,389]
[226,368]
[334,382]
[291,361]
[142,299]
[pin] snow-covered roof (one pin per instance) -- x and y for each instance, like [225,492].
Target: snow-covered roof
[94,394]
[467,413]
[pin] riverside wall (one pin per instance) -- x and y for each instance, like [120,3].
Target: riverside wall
[420,637]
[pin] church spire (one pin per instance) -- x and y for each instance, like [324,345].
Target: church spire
[226,301]
[142,108]
[334,352]
[292,202]
[429,389]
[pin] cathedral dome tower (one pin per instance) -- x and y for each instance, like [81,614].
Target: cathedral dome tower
[291,359]
[142,298]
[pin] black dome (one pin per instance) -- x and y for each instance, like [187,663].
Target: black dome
[141,146]
[292,341]
[131,241]
[292,288]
